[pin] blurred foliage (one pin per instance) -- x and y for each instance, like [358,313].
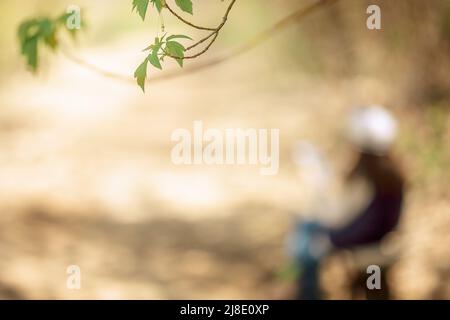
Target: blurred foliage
[41,31]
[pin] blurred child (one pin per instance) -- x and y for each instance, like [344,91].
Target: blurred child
[372,130]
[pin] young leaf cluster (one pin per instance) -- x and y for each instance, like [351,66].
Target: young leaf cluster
[160,49]
[37,32]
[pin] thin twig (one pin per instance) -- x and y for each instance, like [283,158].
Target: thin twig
[205,49]
[187,22]
[213,34]
[200,41]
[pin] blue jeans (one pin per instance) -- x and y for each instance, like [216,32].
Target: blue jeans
[308,262]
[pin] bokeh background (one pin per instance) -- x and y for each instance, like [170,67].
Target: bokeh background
[86,177]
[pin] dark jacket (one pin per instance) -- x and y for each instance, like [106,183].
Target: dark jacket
[383,212]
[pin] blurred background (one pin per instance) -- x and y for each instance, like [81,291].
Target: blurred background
[85,171]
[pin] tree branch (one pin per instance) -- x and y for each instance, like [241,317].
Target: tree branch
[297,16]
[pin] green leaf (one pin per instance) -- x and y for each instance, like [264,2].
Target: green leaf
[51,40]
[176,50]
[153,56]
[141,74]
[29,33]
[27,30]
[185,5]
[46,27]
[158,4]
[178,36]
[154,60]
[141,7]
[33,32]
[30,51]
[48,33]
[23,32]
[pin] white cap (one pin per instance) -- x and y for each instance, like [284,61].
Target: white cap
[373,129]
